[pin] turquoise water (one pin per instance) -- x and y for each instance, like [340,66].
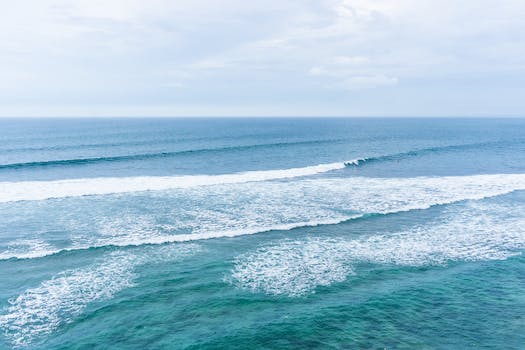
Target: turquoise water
[262,233]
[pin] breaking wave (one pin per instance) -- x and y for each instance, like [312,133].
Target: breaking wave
[229,210]
[41,190]
[420,152]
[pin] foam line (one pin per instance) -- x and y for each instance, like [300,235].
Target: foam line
[41,190]
[33,250]
[228,210]
[27,249]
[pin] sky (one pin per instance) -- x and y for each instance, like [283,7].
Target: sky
[262,58]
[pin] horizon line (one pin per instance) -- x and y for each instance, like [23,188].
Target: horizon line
[512,116]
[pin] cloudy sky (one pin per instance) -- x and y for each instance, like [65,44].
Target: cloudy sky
[256,58]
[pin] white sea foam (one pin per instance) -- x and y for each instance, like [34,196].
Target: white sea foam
[57,301]
[292,267]
[296,267]
[151,236]
[229,210]
[40,190]
[27,249]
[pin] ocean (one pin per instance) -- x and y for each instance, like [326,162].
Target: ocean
[253,233]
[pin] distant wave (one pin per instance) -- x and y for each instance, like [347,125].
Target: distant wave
[40,190]
[160,155]
[418,153]
[147,142]
[143,156]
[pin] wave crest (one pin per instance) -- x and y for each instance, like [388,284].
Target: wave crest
[41,190]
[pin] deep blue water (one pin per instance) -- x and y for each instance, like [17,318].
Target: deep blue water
[262,233]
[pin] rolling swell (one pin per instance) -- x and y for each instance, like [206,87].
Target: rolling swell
[161,155]
[158,155]
[423,152]
[420,152]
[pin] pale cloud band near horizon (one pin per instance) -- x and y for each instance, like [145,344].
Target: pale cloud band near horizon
[175,58]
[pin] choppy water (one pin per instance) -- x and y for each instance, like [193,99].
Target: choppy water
[254,233]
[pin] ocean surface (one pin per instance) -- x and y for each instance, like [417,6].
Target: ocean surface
[262,233]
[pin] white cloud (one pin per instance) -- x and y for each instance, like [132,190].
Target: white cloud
[127,52]
[350,60]
[317,71]
[368,82]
